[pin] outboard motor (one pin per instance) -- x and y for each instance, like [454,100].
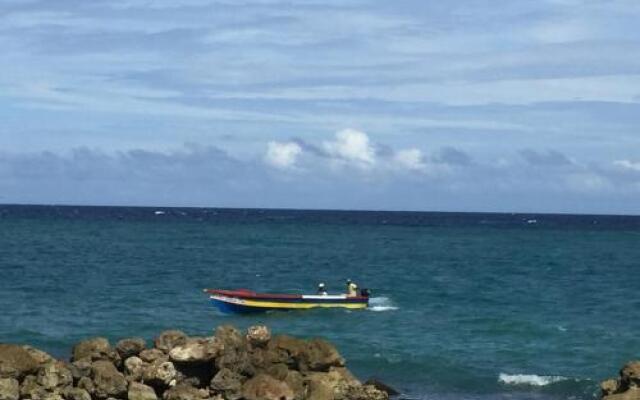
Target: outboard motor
[365,292]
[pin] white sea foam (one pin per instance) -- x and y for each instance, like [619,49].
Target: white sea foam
[381,304]
[530,380]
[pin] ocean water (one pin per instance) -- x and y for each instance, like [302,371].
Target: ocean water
[465,306]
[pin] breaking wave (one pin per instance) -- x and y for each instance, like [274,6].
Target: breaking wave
[381,304]
[529,380]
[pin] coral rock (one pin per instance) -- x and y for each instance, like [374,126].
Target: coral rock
[15,362]
[139,391]
[38,355]
[365,392]
[185,392]
[159,374]
[630,394]
[152,355]
[95,349]
[87,384]
[264,387]
[319,355]
[630,373]
[197,351]
[170,339]
[133,368]
[284,349]
[79,369]
[382,386]
[130,347]
[9,389]
[610,386]
[72,393]
[258,335]
[108,381]
[228,383]
[230,337]
[53,375]
[319,390]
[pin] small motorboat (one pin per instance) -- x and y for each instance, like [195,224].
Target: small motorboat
[243,300]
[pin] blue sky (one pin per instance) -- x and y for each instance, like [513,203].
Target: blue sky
[406,105]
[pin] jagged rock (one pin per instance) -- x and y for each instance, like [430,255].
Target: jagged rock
[15,362]
[279,371]
[79,369]
[170,339]
[51,396]
[319,355]
[633,393]
[630,374]
[382,386]
[627,387]
[194,374]
[257,358]
[230,337]
[159,374]
[264,387]
[197,351]
[72,393]
[53,375]
[236,360]
[9,389]
[185,392]
[130,347]
[152,355]
[365,392]
[610,386]
[258,335]
[139,391]
[284,349]
[87,384]
[228,383]
[133,368]
[108,381]
[39,356]
[338,379]
[319,390]
[296,382]
[95,349]
[29,388]
[227,366]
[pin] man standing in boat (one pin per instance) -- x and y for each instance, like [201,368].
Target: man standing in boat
[352,288]
[322,290]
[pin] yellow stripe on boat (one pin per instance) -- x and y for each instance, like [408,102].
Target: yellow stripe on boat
[289,305]
[273,304]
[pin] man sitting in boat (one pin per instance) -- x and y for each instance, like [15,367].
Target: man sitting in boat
[321,289]
[352,288]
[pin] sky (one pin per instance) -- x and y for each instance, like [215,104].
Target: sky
[472,105]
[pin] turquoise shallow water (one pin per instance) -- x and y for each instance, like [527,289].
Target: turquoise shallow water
[478,306]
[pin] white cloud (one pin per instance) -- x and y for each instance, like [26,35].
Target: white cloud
[352,146]
[411,159]
[627,165]
[282,155]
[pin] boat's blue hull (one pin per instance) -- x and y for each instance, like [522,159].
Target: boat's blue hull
[231,308]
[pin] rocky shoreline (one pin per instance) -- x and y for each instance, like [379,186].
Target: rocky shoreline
[229,365]
[626,386]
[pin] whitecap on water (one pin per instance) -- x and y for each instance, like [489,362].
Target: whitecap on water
[381,304]
[529,379]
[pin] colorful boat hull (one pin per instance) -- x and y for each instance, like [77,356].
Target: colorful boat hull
[245,301]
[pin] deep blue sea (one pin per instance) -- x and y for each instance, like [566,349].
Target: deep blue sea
[465,306]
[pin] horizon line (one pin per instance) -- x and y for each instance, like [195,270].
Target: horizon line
[319,209]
